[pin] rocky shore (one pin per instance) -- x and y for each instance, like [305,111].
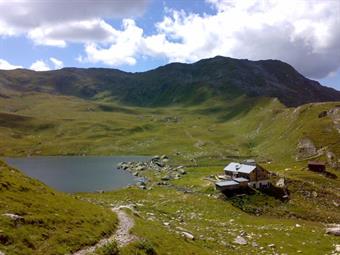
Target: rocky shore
[161,170]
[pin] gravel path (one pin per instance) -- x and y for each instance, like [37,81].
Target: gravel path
[122,235]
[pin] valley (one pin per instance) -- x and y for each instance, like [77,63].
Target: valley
[213,117]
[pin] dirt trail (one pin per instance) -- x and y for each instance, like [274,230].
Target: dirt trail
[122,235]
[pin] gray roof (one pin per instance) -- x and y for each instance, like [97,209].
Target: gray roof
[241,179]
[226,183]
[240,168]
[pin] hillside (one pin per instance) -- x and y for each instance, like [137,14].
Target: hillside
[176,83]
[35,219]
[41,124]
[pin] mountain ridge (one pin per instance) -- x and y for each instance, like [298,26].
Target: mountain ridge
[176,83]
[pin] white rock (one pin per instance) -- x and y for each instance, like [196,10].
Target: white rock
[188,235]
[1,253]
[297,225]
[271,245]
[13,216]
[240,240]
[333,230]
[337,247]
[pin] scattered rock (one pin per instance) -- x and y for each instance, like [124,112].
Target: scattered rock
[271,245]
[14,217]
[254,244]
[323,114]
[337,248]
[281,183]
[333,229]
[182,171]
[332,159]
[240,240]
[164,157]
[165,178]
[314,194]
[188,235]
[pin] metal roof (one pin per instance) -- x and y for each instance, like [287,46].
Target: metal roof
[226,183]
[241,179]
[240,168]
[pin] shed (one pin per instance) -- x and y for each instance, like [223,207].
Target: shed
[316,166]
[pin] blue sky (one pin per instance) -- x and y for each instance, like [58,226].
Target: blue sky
[138,35]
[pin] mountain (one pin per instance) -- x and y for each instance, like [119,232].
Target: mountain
[176,83]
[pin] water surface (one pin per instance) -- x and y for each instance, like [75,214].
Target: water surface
[77,174]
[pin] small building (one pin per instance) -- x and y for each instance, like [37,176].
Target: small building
[248,173]
[316,166]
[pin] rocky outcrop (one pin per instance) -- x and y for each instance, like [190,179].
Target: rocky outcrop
[306,148]
[334,114]
[332,159]
[159,165]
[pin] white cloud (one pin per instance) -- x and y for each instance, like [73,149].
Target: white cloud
[55,22]
[5,65]
[58,64]
[125,45]
[40,65]
[305,34]
[96,30]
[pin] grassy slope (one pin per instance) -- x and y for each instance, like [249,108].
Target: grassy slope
[54,223]
[209,132]
[215,224]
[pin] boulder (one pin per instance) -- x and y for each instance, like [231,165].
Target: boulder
[333,229]
[281,183]
[1,253]
[13,217]
[337,248]
[165,178]
[332,159]
[164,157]
[155,158]
[188,235]
[182,171]
[240,240]
[323,114]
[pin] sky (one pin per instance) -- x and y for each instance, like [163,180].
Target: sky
[139,35]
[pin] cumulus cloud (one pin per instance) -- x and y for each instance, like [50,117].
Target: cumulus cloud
[305,34]
[55,22]
[5,65]
[58,64]
[40,65]
[126,44]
